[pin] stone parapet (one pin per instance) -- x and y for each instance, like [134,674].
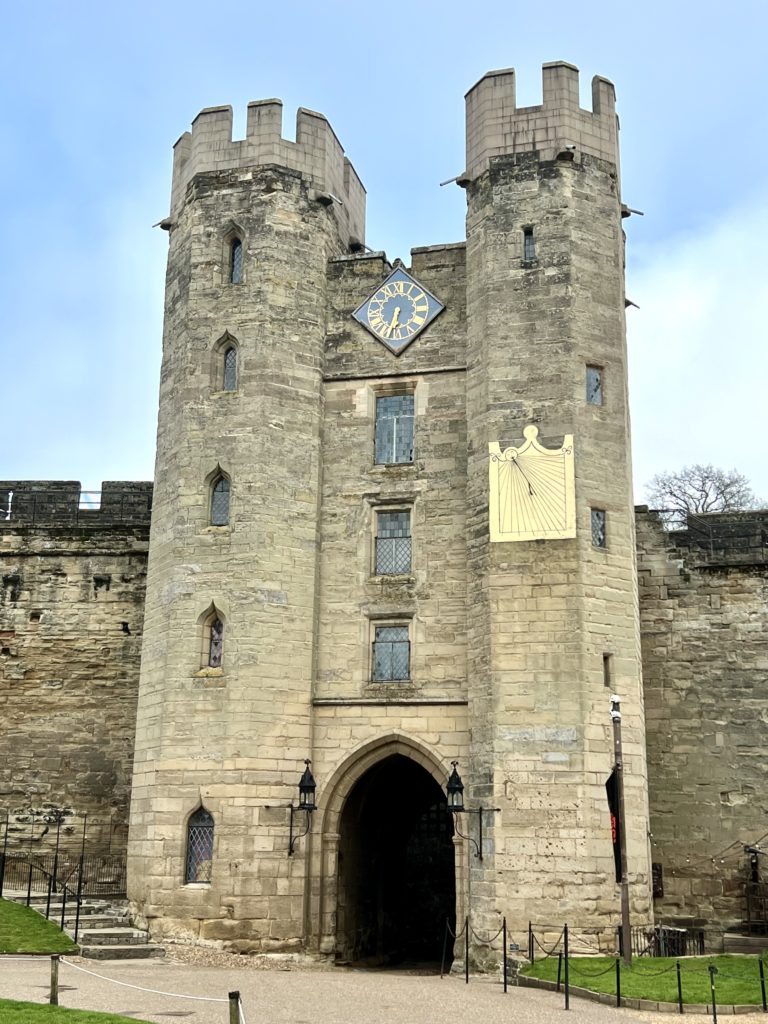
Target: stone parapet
[316,153]
[558,127]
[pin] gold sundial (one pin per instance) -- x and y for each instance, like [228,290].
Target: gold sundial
[532,492]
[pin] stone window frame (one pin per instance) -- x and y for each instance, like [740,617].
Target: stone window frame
[376,622]
[219,351]
[383,508]
[233,232]
[210,842]
[598,528]
[393,389]
[601,385]
[528,256]
[205,622]
[215,477]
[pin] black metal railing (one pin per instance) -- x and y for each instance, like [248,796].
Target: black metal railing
[662,940]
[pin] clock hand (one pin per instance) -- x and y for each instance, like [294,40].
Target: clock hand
[525,476]
[393,325]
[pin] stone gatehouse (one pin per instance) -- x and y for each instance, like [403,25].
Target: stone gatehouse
[391,530]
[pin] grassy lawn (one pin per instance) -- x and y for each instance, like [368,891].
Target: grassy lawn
[24,931]
[34,1013]
[737,980]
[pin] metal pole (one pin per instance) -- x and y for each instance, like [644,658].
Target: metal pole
[679,989]
[56,851]
[79,897]
[5,850]
[234,1008]
[618,981]
[466,950]
[48,898]
[626,933]
[762,984]
[530,942]
[53,999]
[565,956]
[504,948]
[712,972]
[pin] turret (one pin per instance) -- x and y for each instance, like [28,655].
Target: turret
[554,624]
[226,683]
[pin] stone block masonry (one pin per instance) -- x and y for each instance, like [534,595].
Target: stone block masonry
[72,584]
[704,615]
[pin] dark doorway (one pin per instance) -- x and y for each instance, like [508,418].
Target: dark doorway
[396,868]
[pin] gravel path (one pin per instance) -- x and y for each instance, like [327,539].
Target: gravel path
[294,993]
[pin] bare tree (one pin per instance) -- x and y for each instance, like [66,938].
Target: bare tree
[702,488]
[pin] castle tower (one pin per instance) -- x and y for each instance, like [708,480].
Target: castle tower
[553,618]
[225,693]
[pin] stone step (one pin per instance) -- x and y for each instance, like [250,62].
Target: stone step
[141,951]
[112,937]
[736,943]
[95,921]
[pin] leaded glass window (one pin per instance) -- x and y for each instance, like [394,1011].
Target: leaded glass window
[598,527]
[529,245]
[230,369]
[391,654]
[220,502]
[216,643]
[393,543]
[236,261]
[394,429]
[594,385]
[199,847]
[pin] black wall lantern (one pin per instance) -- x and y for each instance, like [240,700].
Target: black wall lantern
[307,789]
[455,793]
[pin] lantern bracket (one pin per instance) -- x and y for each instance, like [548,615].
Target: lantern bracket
[299,835]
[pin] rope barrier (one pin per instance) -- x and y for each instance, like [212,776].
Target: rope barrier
[590,974]
[554,948]
[487,942]
[140,988]
[453,934]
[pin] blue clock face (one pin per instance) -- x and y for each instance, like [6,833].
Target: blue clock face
[398,311]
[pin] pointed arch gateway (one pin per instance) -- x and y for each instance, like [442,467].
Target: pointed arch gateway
[389,861]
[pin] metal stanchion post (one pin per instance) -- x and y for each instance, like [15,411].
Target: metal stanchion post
[679,988]
[712,972]
[504,949]
[762,984]
[618,981]
[234,1008]
[466,950]
[565,957]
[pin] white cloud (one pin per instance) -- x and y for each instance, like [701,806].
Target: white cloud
[699,348]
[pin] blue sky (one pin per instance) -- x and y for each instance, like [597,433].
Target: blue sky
[94,95]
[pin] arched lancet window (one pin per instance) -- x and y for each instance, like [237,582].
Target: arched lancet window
[199,847]
[235,261]
[230,369]
[220,502]
[215,642]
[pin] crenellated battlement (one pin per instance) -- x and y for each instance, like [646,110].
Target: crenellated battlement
[557,127]
[316,153]
[62,503]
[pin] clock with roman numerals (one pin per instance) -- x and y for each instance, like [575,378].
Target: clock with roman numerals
[398,311]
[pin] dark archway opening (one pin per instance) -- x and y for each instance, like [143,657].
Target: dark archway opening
[396,867]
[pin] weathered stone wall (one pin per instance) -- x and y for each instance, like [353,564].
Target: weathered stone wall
[543,613]
[71,611]
[704,613]
[233,738]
